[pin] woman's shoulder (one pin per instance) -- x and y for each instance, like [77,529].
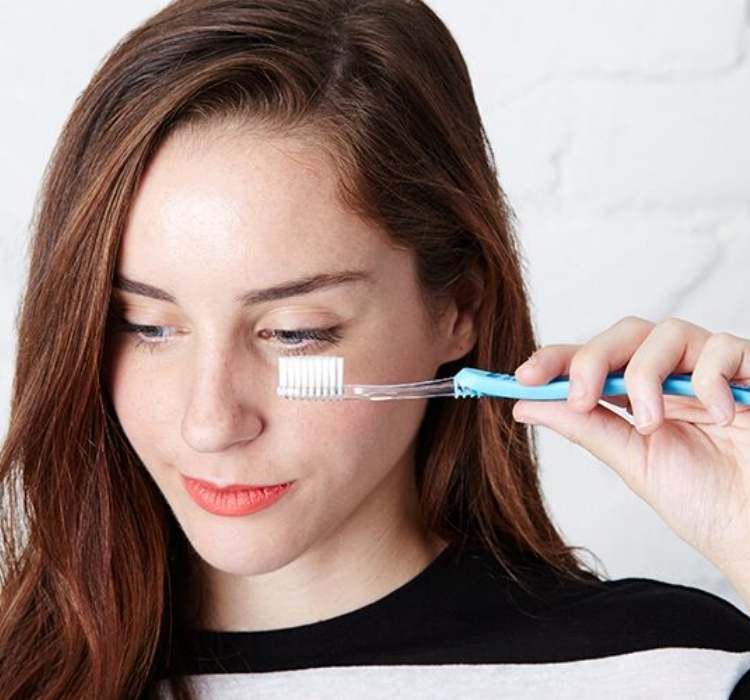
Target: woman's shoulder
[669,636]
[685,613]
[592,617]
[633,613]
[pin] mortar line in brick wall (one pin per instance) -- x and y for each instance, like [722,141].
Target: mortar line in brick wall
[661,206]
[631,75]
[670,76]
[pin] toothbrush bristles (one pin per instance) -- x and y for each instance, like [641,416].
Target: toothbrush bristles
[311,377]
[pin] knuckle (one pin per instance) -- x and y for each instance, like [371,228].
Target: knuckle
[675,326]
[673,322]
[632,321]
[632,318]
[722,339]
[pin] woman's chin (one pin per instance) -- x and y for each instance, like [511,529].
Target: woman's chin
[231,553]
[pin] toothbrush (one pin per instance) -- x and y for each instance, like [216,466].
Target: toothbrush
[321,377]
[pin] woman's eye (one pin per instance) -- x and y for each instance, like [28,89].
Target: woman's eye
[303,339]
[297,340]
[148,337]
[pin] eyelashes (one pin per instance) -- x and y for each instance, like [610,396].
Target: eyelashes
[294,341]
[316,337]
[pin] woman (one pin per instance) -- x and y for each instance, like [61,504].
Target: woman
[244,180]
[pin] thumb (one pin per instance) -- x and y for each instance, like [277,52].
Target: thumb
[602,432]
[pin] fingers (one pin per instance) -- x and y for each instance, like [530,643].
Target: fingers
[724,358]
[587,365]
[545,363]
[660,354]
[649,352]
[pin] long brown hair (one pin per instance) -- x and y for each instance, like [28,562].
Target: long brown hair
[92,556]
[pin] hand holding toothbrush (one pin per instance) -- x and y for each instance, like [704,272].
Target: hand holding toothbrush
[687,457]
[689,463]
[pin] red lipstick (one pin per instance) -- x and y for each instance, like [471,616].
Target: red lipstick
[233,500]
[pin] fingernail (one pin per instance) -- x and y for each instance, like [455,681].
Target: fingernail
[642,413]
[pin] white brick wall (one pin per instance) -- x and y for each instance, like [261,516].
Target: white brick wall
[622,134]
[621,130]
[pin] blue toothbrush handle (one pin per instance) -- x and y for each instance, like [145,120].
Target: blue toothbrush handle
[475,383]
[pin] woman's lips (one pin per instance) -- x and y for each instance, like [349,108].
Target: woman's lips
[230,487]
[233,500]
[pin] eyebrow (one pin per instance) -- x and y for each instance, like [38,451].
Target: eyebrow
[303,285]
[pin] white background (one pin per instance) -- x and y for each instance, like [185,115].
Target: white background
[622,135]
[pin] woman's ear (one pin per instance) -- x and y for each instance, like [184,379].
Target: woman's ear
[459,323]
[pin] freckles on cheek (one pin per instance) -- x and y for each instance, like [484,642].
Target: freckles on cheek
[144,401]
[316,427]
[144,414]
[370,427]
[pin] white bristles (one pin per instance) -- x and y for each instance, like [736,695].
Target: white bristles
[311,377]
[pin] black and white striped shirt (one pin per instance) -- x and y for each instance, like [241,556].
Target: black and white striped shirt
[463,629]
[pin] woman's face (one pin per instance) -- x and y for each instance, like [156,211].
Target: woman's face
[221,216]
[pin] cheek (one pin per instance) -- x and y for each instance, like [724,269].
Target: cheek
[353,437]
[141,404]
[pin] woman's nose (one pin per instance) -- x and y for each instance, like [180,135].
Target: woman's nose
[222,406]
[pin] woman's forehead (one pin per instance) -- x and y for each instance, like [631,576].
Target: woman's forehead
[248,196]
